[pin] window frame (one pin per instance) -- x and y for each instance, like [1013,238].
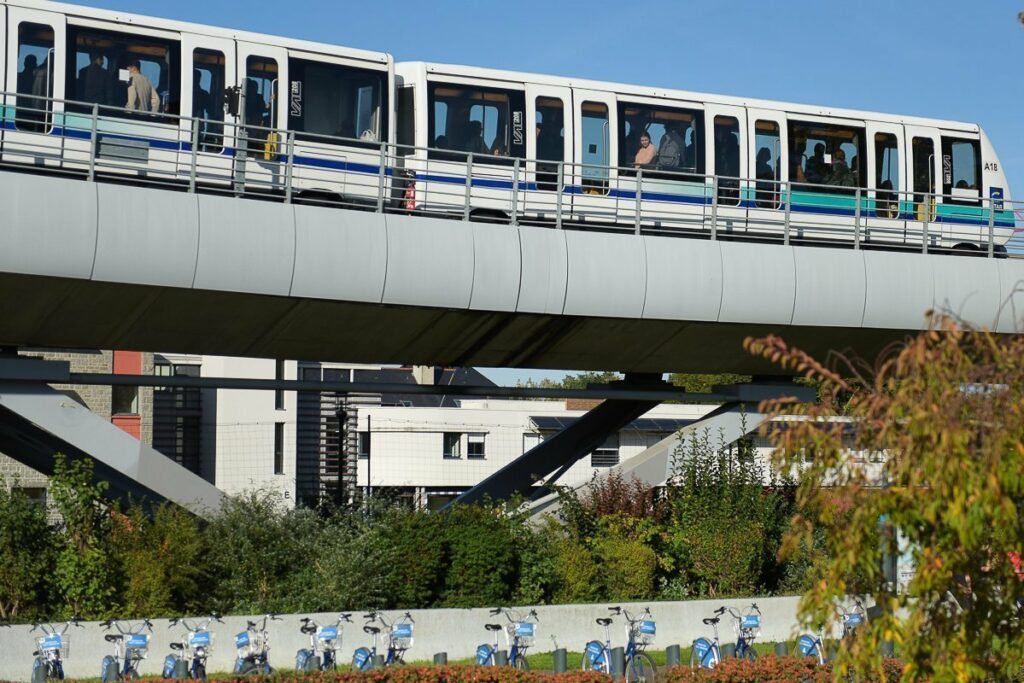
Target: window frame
[476,438]
[604,451]
[823,188]
[212,128]
[46,120]
[278,448]
[698,125]
[297,65]
[946,143]
[516,104]
[451,449]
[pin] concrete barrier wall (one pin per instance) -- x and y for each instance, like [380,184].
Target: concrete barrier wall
[455,631]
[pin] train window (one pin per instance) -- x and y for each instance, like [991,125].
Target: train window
[768,143]
[727,159]
[825,157]
[35,76]
[125,74]
[923,150]
[261,83]
[961,170]
[338,101]
[661,138]
[887,175]
[550,129]
[208,79]
[596,142]
[479,121]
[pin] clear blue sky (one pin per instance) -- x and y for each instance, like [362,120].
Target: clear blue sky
[941,58]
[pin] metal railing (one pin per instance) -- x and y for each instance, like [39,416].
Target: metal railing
[248,160]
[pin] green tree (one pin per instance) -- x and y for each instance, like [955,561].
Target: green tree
[85,573]
[482,560]
[26,543]
[945,415]
[417,541]
[703,384]
[578,381]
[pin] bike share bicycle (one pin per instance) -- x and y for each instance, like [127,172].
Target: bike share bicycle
[748,628]
[52,649]
[188,661]
[324,644]
[399,640]
[849,620]
[253,645]
[130,647]
[519,635]
[707,653]
[640,632]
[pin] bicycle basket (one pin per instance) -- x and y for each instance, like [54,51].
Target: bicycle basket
[55,642]
[137,642]
[525,631]
[327,633]
[853,620]
[244,644]
[401,634]
[646,631]
[750,622]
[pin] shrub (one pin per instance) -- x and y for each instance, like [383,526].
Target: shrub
[26,543]
[483,563]
[577,574]
[416,541]
[771,670]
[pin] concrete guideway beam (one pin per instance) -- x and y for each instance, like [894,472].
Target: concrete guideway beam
[37,421]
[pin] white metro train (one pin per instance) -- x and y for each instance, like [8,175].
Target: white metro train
[231,110]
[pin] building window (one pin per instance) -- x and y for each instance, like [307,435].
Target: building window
[279,448]
[124,401]
[607,454]
[334,100]
[279,393]
[37,494]
[475,446]
[452,445]
[364,444]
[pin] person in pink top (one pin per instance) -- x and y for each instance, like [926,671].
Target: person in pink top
[645,155]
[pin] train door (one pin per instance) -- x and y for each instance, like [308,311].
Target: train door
[767,141]
[594,183]
[35,75]
[882,216]
[548,142]
[923,148]
[209,69]
[727,161]
[262,74]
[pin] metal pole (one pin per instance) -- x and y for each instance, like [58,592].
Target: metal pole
[558,198]
[639,198]
[856,222]
[618,663]
[789,205]
[381,175]
[289,168]
[469,186]
[515,192]
[92,141]
[714,208]
[991,227]
[194,162]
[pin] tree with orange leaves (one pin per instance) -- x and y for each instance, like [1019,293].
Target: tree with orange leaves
[944,413]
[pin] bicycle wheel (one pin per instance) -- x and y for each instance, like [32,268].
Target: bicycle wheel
[521,663]
[640,668]
[748,653]
[201,672]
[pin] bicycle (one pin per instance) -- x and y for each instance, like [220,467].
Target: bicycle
[130,647]
[188,661]
[849,620]
[51,651]
[707,653]
[519,635]
[399,640]
[325,639]
[253,646]
[640,632]
[748,627]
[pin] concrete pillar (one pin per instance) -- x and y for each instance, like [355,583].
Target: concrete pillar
[441,659]
[672,655]
[561,665]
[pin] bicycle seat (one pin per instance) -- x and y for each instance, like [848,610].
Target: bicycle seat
[177,646]
[372,630]
[603,621]
[113,637]
[712,621]
[493,627]
[307,629]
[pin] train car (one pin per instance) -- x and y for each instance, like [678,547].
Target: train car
[224,108]
[630,157]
